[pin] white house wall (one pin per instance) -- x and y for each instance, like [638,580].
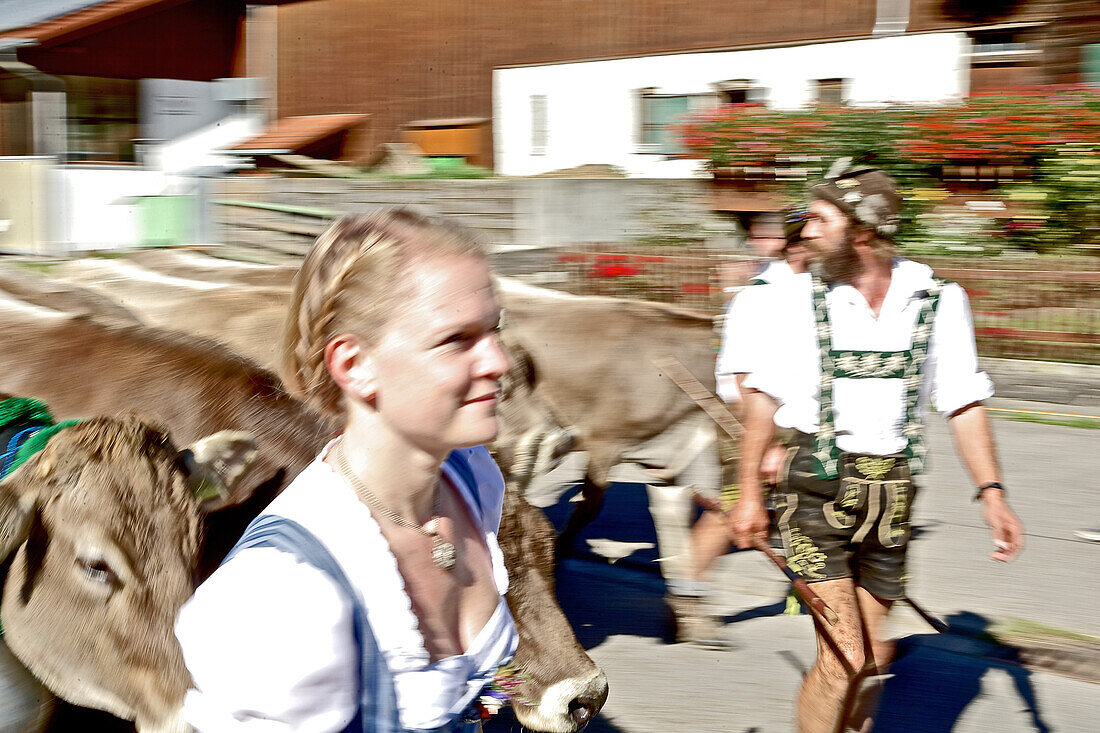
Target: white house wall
[592,107]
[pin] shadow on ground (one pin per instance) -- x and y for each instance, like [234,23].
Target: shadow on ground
[936,676]
[624,518]
[602,598]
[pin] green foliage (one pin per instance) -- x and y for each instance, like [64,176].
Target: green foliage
[1066,189]
[1053,130]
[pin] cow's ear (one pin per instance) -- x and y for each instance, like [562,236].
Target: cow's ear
[522,371]
[215,466]
[16,511]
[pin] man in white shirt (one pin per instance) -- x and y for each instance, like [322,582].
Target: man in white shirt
[791,258]
[710,534]
[848,358]
[742,317]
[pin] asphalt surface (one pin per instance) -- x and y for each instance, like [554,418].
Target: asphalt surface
[944,683]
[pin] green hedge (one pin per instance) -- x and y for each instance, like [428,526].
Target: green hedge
[1054,131]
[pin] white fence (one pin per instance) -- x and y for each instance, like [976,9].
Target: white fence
[47,209]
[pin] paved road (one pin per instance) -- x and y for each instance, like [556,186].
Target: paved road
[940,684]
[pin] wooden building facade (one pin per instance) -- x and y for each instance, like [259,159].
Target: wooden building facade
[401,62]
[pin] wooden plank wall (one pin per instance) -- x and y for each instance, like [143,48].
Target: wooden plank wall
[434,58]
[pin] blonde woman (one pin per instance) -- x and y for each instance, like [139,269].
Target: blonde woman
[369,596]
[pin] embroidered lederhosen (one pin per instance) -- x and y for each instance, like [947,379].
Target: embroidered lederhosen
[843,514]
[378,712]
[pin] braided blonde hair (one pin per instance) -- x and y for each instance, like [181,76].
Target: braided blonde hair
[353,281]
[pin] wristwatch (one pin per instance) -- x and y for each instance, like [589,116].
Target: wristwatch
[990,485]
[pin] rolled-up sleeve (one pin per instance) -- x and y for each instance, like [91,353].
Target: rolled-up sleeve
[953,358]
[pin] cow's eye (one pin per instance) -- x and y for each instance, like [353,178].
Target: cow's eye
[98,571]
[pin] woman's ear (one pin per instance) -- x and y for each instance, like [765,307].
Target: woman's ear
[351,366]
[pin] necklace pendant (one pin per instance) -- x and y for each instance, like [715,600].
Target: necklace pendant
[443,553]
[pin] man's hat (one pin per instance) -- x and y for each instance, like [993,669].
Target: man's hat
[864,193]
[793,223]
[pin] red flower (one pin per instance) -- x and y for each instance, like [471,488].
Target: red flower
[613,270]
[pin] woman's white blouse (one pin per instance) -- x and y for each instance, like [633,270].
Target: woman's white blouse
[267,638]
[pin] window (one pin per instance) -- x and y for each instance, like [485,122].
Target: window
[1000,46]
[539,122]
[660,113]
[1090,63]
[740,91]
[830,92]
[102,118]
[1002,59]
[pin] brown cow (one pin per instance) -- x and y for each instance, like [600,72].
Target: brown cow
[81,366]
[103,526]
[194,266]
[594,358]
[60,296]
[250,318]
[593,355]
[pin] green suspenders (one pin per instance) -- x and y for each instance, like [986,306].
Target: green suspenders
[906,365]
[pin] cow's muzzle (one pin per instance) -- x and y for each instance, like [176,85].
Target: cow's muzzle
[566,706]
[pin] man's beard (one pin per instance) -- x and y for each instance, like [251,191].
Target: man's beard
[842,264]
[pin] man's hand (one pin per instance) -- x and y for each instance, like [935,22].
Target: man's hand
[748,519]
[1008,532]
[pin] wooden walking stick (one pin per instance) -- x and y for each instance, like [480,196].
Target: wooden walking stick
[800,586]
[716,409]
[938,625]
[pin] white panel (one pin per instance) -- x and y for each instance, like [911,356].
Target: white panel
[594,115]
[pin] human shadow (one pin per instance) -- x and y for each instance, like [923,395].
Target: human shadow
[602,600]
[601,597]
[771,609]
[936,676]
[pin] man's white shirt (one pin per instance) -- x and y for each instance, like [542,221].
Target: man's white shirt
[785,359]
[739,321]
[775,271]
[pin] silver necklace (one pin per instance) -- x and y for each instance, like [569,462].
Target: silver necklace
[443,552]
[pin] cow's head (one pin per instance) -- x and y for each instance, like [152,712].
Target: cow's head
[104,529]
[564,687]
[532,440]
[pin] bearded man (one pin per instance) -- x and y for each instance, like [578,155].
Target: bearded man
[847,358]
